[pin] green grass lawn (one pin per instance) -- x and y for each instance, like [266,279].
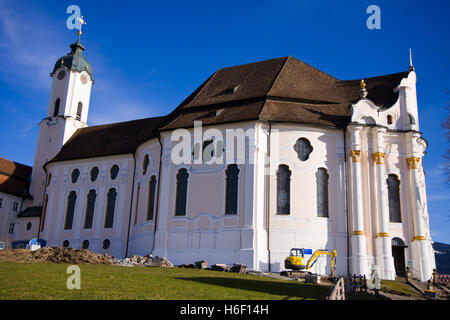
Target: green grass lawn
[48,281]
[400,287]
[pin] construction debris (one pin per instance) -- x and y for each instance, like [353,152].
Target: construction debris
[220,267]
[145,261]
[201,264]
[240,268]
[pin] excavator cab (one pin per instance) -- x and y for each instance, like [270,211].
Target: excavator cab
[296,259]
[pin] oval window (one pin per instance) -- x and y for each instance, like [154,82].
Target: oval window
[66,243]
[114,171]
[85,244]
[75,175]
[94,173]
[29,225]
[303,148]
[106,244]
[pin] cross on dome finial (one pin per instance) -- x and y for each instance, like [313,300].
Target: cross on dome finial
[411,67]
[81,20]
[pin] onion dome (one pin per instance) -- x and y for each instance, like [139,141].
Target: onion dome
[74,60]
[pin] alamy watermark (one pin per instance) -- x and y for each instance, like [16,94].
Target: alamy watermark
[74,280]
[374,20]
[212,147]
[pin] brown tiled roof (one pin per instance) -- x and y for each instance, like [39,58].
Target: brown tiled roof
[286,90]
[15,178]
[109,139]
[278,90]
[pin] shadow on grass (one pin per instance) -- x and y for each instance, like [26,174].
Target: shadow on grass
[287,290]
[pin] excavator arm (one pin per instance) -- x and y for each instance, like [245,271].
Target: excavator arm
[318,253]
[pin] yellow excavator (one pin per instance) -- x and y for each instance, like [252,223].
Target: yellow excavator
[297,260]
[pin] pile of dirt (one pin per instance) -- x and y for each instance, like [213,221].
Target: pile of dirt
[56,255]
[15,255]
[69,255]
[76,256]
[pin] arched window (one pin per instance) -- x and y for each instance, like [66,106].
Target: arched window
[393,184]
[75,175]
[94,173]
[114,171]
[283,190]
[110,207]
[231,196]
[91,197]
[181,196]
[56,109]
[151,197]
[389,119]
[79,110]
[137,203]
[44,211]
[145,164]
[303,148]
[71,200]
[322,192]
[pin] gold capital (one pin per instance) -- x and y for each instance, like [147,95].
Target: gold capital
[383,234]
[378,157]
[413,163]
[358,233]
[356,155]
[419,238]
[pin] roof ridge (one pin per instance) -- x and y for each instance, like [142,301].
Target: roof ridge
[376,77]
[271,86]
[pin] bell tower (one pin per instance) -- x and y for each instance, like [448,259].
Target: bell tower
[67,111]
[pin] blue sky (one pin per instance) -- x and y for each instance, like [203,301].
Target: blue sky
[147,56]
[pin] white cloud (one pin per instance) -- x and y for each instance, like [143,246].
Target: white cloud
[27,46]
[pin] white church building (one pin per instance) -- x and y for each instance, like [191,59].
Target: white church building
[306,161]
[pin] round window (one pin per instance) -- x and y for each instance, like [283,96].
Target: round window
[75,175]
[85,244]
[61,74]
[106,243]
[66,243]
[29,225]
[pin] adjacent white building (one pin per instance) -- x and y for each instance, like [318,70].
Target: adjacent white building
[308,161]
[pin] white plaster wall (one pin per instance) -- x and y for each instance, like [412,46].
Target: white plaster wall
[142,230]
[7,216]
[302,227]
[205,232]
[61,185]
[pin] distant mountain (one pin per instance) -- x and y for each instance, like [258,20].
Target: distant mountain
[442,254]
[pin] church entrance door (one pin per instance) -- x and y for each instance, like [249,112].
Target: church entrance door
[398,253]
